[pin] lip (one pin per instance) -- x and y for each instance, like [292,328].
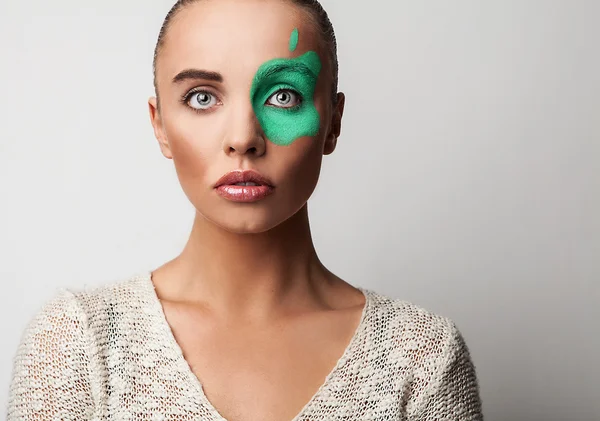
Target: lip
[240,176]
[226,187]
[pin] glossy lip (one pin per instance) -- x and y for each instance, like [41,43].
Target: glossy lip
[240,176]
[226,187]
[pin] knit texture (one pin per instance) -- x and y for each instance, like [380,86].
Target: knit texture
[108,353]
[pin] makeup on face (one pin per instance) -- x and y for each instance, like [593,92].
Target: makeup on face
[287,78]
[294,40]
[282,96]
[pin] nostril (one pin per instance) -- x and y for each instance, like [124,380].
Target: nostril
[252,150]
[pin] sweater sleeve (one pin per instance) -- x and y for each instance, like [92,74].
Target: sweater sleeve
[50,377]
[454,393]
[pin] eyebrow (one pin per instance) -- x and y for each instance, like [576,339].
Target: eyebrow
[197,74]
[285,67]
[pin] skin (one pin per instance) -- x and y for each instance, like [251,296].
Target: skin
[284,125]
[253,309]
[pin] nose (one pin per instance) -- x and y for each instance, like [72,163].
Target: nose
[243,134]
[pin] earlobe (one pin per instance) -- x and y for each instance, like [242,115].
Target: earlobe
[157,125]
[330,145]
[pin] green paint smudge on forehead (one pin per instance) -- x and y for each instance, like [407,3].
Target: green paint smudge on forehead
[283,126]
[294,40]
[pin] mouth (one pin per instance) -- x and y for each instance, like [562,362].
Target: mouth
[244,186]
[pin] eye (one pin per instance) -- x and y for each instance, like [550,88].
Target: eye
[284,98]
[201,100]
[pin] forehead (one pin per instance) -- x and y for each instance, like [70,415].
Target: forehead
[235,36]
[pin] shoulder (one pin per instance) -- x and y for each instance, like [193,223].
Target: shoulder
[408,323]
[61,316]
[418,337]
[428,352]
[89,308]
[120,296]
[58,366]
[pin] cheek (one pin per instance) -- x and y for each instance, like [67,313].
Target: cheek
[283,128]
[303,165]
[323,106]
[189,147]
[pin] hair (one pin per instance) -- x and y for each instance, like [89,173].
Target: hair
[313,7]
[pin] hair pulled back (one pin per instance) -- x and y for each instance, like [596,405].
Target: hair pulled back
[313,7]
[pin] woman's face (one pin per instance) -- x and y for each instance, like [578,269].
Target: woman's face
[237,92]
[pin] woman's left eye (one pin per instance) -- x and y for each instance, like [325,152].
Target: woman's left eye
[284,99]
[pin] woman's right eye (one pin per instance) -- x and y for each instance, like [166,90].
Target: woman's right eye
[201,100]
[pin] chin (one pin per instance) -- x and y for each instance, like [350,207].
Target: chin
[246,227]
[244,222]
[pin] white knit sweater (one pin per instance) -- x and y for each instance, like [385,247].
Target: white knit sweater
[108,353]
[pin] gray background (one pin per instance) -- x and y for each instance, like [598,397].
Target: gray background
[466,179]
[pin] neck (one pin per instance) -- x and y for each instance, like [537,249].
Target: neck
[249,273]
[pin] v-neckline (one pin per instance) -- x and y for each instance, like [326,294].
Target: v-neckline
[185,368]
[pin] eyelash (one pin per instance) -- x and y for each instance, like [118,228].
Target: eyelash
[186,98]
[287,88]
[293,91]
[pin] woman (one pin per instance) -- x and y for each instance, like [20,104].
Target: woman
[246,323]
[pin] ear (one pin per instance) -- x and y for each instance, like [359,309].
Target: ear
[157,125]
[335,126]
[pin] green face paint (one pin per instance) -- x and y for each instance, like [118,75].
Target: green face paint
[283,126]
[294,40]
